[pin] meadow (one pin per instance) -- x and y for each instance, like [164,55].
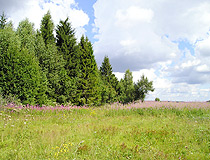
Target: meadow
[148,130]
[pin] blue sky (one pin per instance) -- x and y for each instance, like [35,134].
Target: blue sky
[168,41]
[87,7]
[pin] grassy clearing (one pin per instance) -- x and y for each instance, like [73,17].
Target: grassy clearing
[105,133]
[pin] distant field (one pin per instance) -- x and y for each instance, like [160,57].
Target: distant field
[149,130]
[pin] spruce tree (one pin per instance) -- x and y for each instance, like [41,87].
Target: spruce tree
[109,93]
[52,62]
[3,21]
[47,28]
[128,86]
[89,82]
[67,46]
[20,72]
[106,70]
[27,36]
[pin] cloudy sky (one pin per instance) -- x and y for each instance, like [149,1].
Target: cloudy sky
[168,41]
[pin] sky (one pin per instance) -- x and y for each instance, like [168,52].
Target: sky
[167,41]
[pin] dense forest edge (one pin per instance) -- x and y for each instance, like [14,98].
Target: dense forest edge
[50,66]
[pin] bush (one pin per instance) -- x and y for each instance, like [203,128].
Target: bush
[157,99]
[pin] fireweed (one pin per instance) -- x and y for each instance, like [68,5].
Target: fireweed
[149,130]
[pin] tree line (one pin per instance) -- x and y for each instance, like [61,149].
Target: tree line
[49,65]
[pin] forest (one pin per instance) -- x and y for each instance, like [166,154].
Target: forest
[49,65]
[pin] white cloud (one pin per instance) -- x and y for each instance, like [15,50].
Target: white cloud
[35,10]
[145,38]
[133,15]
[203,68]
[203,48]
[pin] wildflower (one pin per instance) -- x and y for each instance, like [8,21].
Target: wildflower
[24,122]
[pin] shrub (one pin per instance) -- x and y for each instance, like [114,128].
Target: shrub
[157,99]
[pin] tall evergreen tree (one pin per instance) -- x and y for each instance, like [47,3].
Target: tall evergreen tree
[20,73]
[47,28]
[109,93]
[27,36]
[89,82]
[3,21]
[128,86]
[67,46]
[52,62]
[106,70]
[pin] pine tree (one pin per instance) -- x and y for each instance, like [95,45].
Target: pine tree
[89,82]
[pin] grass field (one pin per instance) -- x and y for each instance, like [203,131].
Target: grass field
[149,130]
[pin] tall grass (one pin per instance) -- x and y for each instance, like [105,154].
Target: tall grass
[133,131]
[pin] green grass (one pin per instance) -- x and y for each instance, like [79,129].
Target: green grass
[102,133]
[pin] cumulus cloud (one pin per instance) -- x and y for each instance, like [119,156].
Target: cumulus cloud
[35,10]
[143,36]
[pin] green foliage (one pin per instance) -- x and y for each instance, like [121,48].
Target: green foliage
[89,81]
[142,87]
[106,70]
[38,68]
[68,48]
[3,21]
[157,99]
[53,64]
[21,74]
[47,28]
[128,87]
[26,33]
[109,93]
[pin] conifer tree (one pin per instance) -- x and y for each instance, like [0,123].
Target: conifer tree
[109,93]
[128,86]
[47,28]
[67,46]
[89,82]
[20,73]
[27,36]
[3,21]
[52,62]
